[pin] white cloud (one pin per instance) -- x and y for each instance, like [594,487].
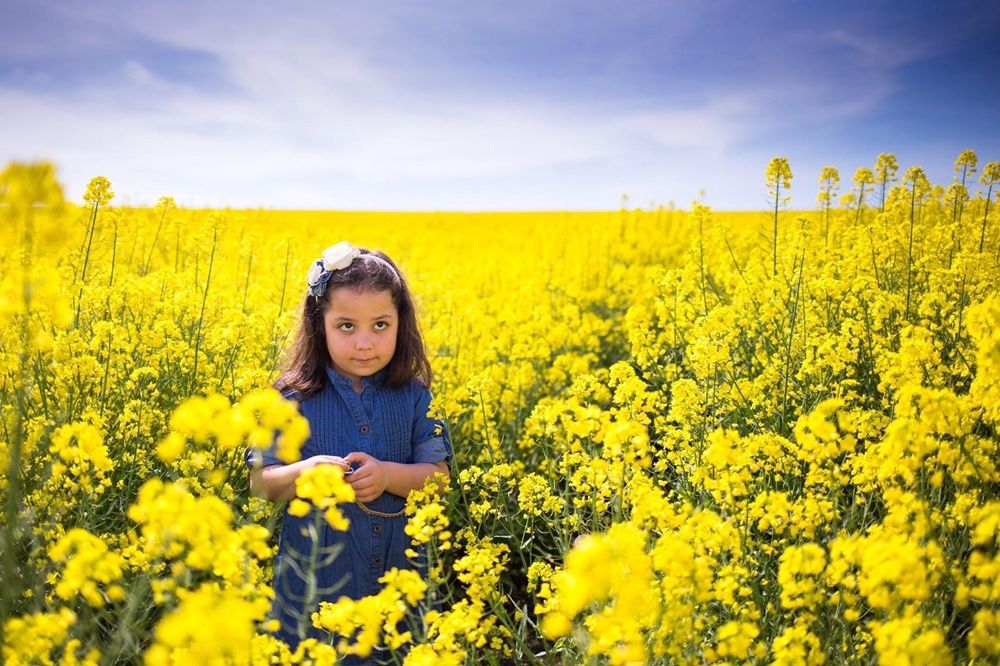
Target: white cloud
[877,50]
[306,109]
[137,73]
[318,109]
[230,145]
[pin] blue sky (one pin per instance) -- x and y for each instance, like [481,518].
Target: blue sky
[490,105]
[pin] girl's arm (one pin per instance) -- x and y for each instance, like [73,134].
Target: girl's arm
[373,477]
[277,482]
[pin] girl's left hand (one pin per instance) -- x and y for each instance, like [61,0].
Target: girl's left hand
[369,478]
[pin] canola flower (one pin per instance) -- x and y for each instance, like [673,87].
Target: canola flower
[677,443]
[373,621]
[87,562]
[41,638]
[185,637]
[322,487]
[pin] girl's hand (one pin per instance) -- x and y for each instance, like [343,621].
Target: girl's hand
[277,482]
[327,460]
[369,479]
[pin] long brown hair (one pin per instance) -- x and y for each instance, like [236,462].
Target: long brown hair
[307,359]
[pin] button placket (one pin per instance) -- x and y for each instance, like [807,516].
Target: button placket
[355,403]
[366,410]
[378,546]
[365,422]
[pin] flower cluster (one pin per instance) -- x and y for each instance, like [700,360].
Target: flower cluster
[378,620]
[688,437]
[322,487]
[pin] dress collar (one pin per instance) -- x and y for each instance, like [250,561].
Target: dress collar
[337,379]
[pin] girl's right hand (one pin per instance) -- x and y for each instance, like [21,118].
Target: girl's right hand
[328,460]
[277,482]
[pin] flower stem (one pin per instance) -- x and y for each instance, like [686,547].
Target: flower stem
[909,256]
[201,315]
[986,214]
[774,244]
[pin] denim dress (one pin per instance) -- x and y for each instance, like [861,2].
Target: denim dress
[390,424]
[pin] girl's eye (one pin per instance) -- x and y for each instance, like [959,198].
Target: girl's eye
[381,325]
[345,326]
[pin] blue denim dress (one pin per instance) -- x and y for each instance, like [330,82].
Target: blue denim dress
[390,424]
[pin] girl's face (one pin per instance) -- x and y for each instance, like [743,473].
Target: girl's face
[360,332]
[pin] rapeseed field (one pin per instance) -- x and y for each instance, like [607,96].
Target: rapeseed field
[681,437]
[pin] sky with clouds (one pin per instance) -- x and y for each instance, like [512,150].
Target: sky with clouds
[456,105]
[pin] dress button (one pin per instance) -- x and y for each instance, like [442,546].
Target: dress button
[364,428]
[378,561]
[377,528]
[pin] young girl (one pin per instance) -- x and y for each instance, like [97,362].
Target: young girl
[360,375]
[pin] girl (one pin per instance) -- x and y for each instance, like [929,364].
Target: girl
[360,375]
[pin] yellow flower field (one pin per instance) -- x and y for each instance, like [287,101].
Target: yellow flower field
[681,437]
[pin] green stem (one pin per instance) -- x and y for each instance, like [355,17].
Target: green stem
[114,257]
[90,242]
[201,315]
[156,236]
[701,263]
[788,347]
[982,234]
[12,583]
[124,639]
[275,346]
[861,200]
[777,199]
[961,205]
[956,219]
[246,284]
[86,262]
[826,221]
[909,256]
[871,242]
[311,585]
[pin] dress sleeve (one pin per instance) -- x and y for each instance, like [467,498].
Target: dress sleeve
[431,441]
[259,458]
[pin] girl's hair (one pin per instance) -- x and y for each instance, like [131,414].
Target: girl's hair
[306,361]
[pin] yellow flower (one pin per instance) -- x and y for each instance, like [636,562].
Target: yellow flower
[426,655]
[908,640]
[735,639]
[184,636]
[299,507]
[87,563]
[798,574]
[983,637]
[779,173]
[535,496]
[32,638]
[481,567]
[373,620]
[98,191]
[796,644]
[618,629]
[324,486]
[742,437]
